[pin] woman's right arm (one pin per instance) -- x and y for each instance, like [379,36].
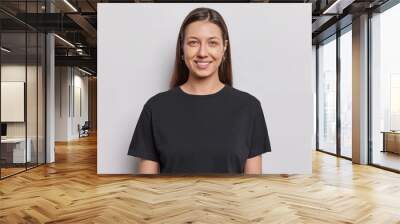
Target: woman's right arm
[148,167]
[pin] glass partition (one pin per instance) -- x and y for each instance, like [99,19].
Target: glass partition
[13,111]
[22,77]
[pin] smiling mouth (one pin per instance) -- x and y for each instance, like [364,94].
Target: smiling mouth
[202,64]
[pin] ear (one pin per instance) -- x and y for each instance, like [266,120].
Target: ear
[225,45]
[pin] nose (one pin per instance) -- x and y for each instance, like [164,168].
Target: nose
[202,52]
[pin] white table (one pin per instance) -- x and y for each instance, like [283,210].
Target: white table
[19,149]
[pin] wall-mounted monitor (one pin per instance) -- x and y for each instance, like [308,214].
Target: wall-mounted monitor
[12,101]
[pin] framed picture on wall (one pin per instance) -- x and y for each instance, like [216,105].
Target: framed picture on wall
[12,101]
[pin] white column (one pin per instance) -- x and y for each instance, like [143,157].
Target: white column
[50,110]
[360,90]
[50,92]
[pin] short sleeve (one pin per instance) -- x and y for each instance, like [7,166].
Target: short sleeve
[142,144]
[259,135]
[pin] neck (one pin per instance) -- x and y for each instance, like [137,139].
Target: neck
[202,86]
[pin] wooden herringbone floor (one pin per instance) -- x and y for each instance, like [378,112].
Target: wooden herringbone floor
[70,191]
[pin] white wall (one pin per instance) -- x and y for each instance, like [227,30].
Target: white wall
[80,83]
[67,81]
[61,103]
[271,55]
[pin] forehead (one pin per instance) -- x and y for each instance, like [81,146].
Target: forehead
[203,29]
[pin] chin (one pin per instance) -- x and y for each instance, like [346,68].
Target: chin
[202,73]
[202,76]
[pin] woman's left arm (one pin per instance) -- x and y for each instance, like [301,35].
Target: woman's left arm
[253,165]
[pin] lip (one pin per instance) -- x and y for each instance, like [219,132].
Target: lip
[202,64]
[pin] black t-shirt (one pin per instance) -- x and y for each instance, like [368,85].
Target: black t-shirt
[213,133]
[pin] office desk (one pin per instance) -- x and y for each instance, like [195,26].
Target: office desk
[13,150]
[391,141]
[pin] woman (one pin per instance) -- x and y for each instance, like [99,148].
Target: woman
[202,124]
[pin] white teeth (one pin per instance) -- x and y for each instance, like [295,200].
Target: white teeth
[202,64]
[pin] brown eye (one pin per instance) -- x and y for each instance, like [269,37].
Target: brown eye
[213,43]
[192,43]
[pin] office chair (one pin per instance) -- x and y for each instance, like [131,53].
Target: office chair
[84,130]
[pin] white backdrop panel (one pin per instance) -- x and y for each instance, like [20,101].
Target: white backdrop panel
[271,56]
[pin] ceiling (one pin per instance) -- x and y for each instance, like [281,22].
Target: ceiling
[76,22]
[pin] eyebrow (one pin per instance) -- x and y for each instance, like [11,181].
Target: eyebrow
[198,38]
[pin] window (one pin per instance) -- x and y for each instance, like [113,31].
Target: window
[385,88]
[327,96]
[346,93]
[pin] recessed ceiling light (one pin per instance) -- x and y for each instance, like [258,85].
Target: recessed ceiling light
[64,40]
[84,71]
[5,50]
[70,5]
[337,7]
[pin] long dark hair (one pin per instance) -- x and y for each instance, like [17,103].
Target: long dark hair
[181,72]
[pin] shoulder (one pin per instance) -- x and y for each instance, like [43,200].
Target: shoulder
[244,97]
[252,103]
[160,98]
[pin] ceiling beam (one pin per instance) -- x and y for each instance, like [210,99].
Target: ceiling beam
[85,61]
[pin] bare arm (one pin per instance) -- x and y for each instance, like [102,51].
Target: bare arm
[253,165]
[148,167]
